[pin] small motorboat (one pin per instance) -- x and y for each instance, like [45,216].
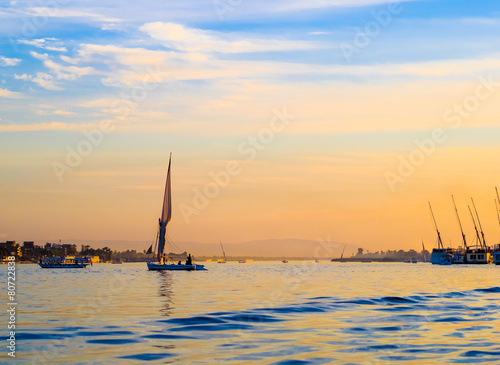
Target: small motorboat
[175,267]
[65,263]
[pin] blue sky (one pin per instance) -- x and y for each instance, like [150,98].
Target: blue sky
[184,77]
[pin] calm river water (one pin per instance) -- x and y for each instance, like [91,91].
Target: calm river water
[259,313]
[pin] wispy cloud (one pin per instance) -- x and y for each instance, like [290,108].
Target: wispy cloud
[4,61]
[182,38]
[62,72]
[4,93]
[56,72]
[39,127]
[55,112]
[50,44]
[42,79]
[68,13]
[319,33]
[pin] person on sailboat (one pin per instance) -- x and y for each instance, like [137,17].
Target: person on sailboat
[189,261]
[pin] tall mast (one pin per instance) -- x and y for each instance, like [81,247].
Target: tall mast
[480,227]
[166,213]
[459,223]
[440,242]
[498,215]
[423,250]
[223,250]
[474,221]
[497,201]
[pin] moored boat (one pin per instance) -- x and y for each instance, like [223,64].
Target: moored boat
[496,254]
[65,263]
[479,256]
[480,253]
[440,255]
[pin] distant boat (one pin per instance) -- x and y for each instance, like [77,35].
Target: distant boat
[285,261]
[117,261]
[65,263]
[424,252]
[439,255]
[480,253]
[242,261]
[222,261]
[166,215]
[414,260]
[342,255]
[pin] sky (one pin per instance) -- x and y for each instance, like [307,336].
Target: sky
[320,119]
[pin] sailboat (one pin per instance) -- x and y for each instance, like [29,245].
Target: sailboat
[222,261]
[440,255]
[166,215]
[342,254]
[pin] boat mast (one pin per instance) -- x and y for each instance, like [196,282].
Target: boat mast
[498,215]
[223,250]
[423,250]
[166,213]
[342,254]
[497,201]
[460,224]
[440,242]
[480,227]
[475,227]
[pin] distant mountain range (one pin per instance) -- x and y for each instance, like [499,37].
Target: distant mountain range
[261,248]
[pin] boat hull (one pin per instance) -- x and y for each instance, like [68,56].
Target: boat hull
[63,266]
[496,258]
[174,267]
[441,256]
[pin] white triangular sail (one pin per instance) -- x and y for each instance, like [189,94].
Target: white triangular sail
[166,213]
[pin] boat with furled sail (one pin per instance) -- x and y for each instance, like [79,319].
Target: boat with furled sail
[166,215]
[479,253]
[222,261]
[440,255]
[342,254]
